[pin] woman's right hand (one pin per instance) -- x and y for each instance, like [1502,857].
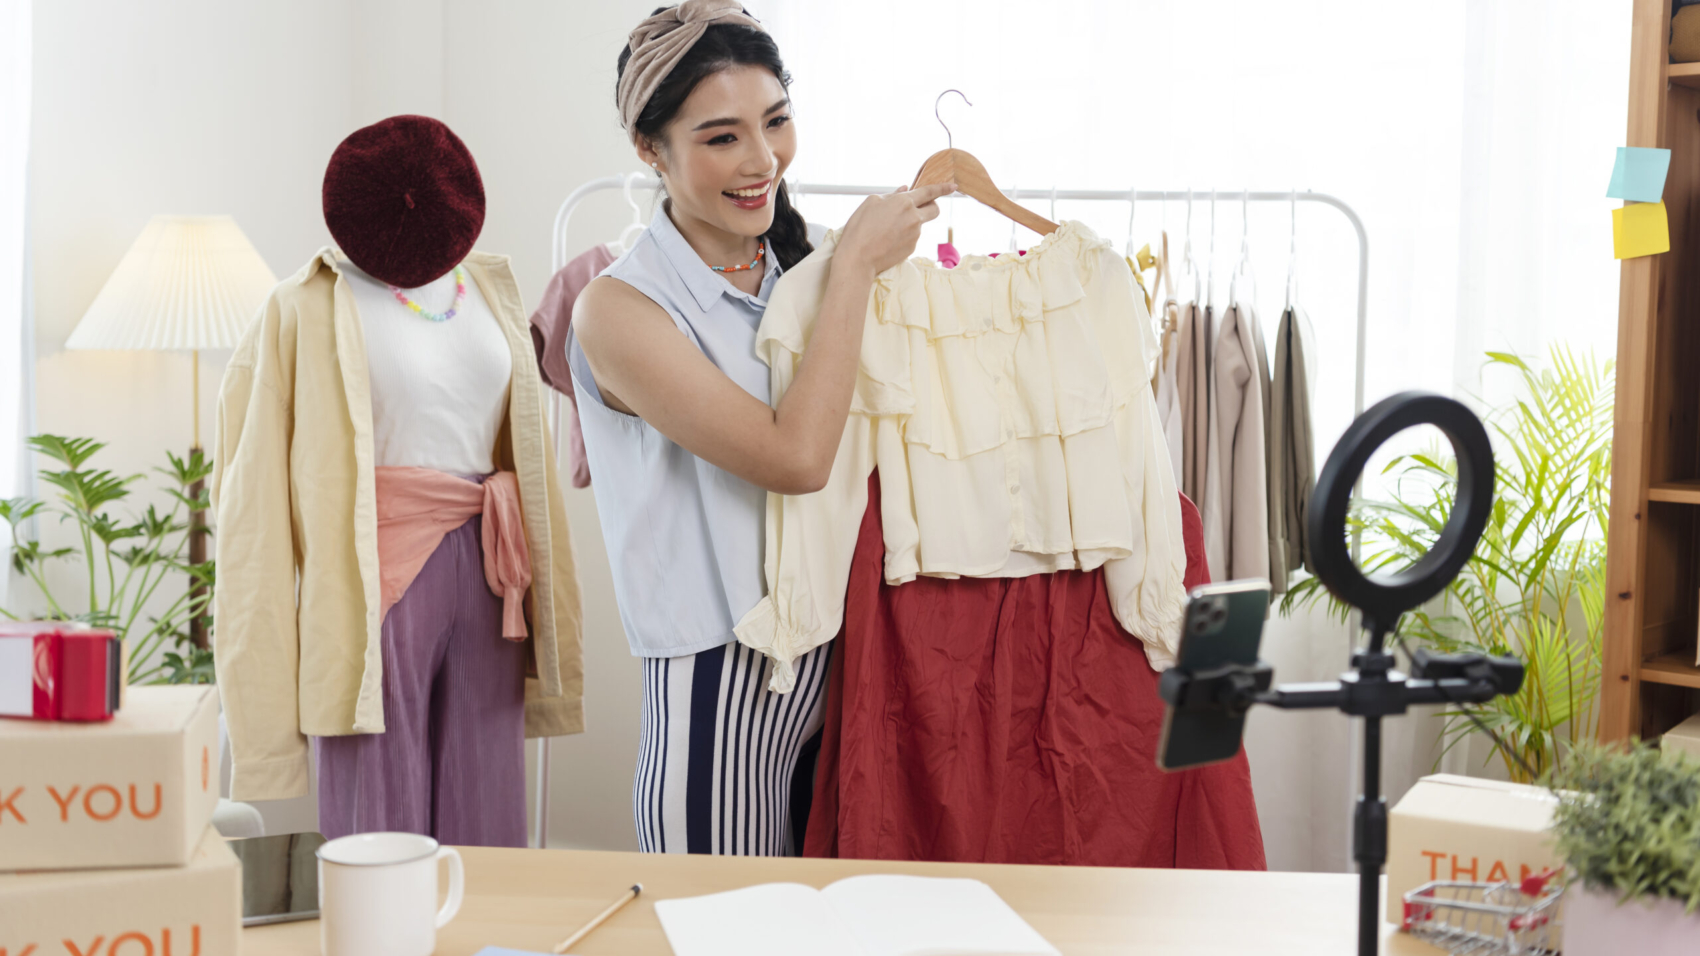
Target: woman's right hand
[883,230]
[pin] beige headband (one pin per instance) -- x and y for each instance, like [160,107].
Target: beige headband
[660,42]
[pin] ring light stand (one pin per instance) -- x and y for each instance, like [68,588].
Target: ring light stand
[1373,689]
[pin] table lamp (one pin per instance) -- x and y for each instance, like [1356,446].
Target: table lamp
[188,282]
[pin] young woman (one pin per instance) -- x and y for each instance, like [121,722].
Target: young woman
[679,433]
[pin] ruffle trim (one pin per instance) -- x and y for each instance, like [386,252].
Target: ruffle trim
[764,630]
[1158,622]
[968,355]
[982,294]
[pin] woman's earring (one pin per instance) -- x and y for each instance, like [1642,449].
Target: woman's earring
[653,166]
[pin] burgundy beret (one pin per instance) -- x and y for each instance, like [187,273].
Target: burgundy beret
[403,200]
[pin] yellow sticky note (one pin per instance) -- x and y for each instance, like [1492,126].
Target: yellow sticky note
[1639,229]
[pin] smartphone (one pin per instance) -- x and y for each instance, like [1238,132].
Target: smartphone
[280,877]
[1223,625]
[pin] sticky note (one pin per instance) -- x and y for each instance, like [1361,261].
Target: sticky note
[1639,174]
[1639,229]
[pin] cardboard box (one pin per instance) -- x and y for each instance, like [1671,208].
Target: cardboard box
[1684,736]
[137,790]
[192,910]
[1449,827]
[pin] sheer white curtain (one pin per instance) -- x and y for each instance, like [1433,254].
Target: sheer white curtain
[15,351]
[1474,138]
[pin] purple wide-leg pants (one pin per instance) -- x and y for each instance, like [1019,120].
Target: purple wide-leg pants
[451,760]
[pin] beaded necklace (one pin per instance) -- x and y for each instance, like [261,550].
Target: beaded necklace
[761,247]
[460,296]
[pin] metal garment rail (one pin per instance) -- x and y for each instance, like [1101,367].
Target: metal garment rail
[632,182]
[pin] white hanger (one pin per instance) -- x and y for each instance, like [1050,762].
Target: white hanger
[1243,268]
[1132,205]
[629,234]
[1292,246]
[1168,267]
[1187,261]
[1053,204]
[1210,276]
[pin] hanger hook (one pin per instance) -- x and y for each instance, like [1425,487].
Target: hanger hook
[949,142]
[1292,243]
[1132,207]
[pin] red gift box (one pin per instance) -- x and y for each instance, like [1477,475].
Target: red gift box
[51,670]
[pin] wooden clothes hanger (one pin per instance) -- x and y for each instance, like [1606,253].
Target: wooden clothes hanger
[951,165]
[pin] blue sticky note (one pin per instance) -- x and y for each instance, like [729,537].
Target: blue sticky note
[1639,174]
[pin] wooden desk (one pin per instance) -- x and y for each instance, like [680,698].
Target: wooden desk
[531,899]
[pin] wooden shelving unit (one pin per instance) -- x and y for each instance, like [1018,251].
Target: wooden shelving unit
[1684,74]
[1650,680]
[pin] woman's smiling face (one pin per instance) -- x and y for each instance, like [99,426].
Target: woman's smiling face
[727,149]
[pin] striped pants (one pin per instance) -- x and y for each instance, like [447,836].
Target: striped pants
[724,764]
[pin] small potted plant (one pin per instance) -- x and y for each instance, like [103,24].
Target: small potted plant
[1628,825]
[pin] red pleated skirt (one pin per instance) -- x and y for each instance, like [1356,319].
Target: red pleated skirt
[1010,720]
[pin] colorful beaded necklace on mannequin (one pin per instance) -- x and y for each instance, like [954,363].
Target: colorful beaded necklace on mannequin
[460,296]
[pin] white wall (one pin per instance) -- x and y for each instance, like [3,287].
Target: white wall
[213,106]
[203,106]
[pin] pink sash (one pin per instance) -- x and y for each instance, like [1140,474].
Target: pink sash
[418,506]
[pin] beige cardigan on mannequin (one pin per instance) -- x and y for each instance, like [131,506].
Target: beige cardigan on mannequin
[297,638]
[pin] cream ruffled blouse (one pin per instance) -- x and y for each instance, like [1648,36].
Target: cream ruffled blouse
[1007,405]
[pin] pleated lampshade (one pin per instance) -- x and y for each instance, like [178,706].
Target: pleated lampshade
[188,282]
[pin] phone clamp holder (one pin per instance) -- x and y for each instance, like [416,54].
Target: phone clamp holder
[1232,688]
[1374,689]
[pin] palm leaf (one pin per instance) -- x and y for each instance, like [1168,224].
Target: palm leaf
[1535,587]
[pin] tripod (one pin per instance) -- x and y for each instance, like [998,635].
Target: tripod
[1373,689]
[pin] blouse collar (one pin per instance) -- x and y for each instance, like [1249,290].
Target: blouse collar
[706,285]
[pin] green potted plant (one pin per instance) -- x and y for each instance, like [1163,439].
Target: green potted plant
[128,562]
[1535,587]
[1628,826]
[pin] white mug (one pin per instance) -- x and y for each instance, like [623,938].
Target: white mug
[378,894]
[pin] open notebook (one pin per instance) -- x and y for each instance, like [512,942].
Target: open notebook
[859,916]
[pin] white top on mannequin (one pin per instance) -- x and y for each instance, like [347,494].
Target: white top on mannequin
[439,389]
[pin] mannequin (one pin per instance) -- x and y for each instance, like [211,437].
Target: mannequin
[435,624]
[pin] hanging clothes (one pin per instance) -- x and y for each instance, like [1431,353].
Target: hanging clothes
[1292,460]
[1139,265]
[549,327]
[1007,406]
[1194,342]
[1169,390]
[1010,721]
[1236,505]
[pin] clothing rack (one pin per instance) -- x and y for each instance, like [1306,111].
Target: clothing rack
[632,182]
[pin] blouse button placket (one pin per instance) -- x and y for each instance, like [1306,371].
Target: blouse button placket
[1003,384]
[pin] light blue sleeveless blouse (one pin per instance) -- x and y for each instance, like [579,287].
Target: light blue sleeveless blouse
[684,537]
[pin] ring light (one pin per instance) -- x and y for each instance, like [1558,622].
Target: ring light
[1383,597]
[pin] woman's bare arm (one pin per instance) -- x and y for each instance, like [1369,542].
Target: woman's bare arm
[646,367]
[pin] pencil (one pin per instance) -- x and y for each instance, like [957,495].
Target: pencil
[601,918]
